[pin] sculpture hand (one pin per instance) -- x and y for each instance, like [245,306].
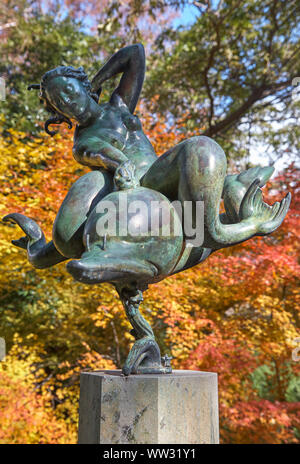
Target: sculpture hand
[267,218]
[125,177]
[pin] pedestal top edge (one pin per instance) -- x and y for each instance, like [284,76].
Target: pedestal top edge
[175,373]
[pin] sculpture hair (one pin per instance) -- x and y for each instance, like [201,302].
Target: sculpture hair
[63,71]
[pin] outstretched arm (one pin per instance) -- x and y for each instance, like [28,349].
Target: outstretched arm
[130,61]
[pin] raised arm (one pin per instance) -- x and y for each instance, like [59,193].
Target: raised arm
[130,61]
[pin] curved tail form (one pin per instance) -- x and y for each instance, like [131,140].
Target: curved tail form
[40,254]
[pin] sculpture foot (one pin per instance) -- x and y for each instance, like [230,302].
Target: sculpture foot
[29,226]
[236,186]
[144,358]
[268,218]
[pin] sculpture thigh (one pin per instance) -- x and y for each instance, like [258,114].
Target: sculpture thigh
[194,170]
[84,194]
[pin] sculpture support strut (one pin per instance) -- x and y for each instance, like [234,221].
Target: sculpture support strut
[144,357]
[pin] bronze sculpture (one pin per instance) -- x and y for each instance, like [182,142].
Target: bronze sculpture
[109,139]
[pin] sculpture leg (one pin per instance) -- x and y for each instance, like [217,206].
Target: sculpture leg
[69,223]
[144,356]
[195,170]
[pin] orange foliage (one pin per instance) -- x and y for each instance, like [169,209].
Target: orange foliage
[27,416]
[260,422]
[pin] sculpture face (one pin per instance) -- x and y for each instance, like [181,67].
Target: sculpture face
[68,96]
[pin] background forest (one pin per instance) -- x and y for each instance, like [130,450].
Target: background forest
[226,69]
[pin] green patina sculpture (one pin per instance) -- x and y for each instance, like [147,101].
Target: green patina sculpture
[109,139]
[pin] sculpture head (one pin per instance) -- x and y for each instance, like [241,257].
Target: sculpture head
[66,93]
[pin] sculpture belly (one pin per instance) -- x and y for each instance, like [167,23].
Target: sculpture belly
[140,151]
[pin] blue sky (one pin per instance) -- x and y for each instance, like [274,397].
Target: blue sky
[188,16]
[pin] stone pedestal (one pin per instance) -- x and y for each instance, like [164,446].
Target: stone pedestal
[177,408]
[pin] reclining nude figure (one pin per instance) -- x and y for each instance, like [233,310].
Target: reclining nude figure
[109,139]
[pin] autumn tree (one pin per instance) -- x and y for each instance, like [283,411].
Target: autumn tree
[234,71]
[36,37]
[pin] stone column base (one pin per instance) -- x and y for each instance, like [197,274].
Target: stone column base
[177,408]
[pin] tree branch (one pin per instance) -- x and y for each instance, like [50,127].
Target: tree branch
[258,93]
